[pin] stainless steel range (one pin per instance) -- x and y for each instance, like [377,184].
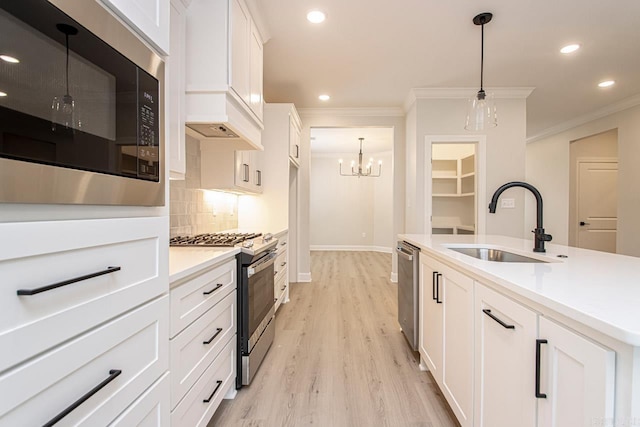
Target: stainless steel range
[256,306]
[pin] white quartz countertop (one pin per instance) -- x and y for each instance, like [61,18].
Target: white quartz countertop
[597,289]
[184,261]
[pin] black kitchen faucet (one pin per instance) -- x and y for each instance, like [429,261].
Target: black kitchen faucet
[540,236]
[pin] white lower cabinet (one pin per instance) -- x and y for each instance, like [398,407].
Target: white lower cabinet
[203,342]
[202,400]
[150,410]
[577,377]
[499,363]
[504,361]
[446,344]
[118,361]
[281,272]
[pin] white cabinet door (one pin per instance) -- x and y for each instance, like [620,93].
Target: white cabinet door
[256,65]
[294,141]
[175,107]
[576,376]
[240,21]
[455,290]
[150,18]
[504,361]
[257,171]
[431,319]
[243,170]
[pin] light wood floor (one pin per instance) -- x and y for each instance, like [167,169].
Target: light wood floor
[339,358]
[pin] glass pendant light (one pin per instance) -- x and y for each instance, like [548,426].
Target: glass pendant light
[63,107]
[481,109]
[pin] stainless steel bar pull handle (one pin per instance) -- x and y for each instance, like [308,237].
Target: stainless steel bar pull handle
[403,254]
[538,394]
[112,376]
[504,325]
[66,282]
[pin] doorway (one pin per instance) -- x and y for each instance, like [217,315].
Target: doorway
[594,192]
[455,184]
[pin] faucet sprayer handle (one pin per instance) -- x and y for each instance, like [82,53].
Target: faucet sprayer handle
[541,235]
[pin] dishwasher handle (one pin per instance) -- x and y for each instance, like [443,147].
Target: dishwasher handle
[403,254]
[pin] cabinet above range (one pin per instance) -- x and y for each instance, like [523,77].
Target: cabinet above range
[224,63]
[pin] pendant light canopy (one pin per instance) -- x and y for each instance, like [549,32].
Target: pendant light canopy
[481,110]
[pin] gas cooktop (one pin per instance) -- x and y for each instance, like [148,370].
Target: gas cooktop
[213,239]
[250,243]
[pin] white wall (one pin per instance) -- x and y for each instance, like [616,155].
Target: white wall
[343,208]
[383,236]
[505,157]
[548,169]
[349,118]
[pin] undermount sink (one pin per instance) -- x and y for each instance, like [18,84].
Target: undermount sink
[496,255]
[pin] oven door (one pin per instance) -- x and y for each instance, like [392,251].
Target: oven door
[260,297]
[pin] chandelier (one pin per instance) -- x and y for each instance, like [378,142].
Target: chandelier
[362,170]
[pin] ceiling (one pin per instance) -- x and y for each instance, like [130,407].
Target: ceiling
[370,53]
[345,140]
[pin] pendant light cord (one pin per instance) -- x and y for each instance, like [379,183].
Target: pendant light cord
[482,58]
[67,43]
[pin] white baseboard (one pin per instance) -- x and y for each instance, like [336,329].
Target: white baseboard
[394,278]
[350,248]
[304,277]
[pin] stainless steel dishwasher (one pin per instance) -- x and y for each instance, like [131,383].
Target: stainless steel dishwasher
[408,291]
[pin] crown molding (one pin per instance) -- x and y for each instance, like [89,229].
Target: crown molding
[616,107]
[351,112]
[463,93]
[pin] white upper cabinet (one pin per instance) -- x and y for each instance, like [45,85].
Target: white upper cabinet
[228,170]
[150,19]
[294,138]
[224,58]
[240,23]
[174,106]
[256,72]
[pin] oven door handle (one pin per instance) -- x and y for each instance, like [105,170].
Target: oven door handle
[264,263]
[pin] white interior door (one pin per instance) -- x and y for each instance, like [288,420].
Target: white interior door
[597,189]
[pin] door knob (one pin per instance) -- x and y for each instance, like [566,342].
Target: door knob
[582,223]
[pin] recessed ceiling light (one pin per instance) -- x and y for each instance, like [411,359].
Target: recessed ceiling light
[570,48]
[2,94]
[324,97]
[316,17]
[607,83]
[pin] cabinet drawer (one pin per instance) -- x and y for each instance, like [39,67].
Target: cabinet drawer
[195,348]
[134,344]
[283,242]
[151,409]
[50,253]
[280,265]
[280,290]
[198,406]
[193,298]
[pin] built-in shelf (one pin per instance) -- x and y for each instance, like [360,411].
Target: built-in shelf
[453,187]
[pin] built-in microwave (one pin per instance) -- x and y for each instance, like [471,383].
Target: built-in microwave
[80,107]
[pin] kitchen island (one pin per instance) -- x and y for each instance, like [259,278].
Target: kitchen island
[550,342]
